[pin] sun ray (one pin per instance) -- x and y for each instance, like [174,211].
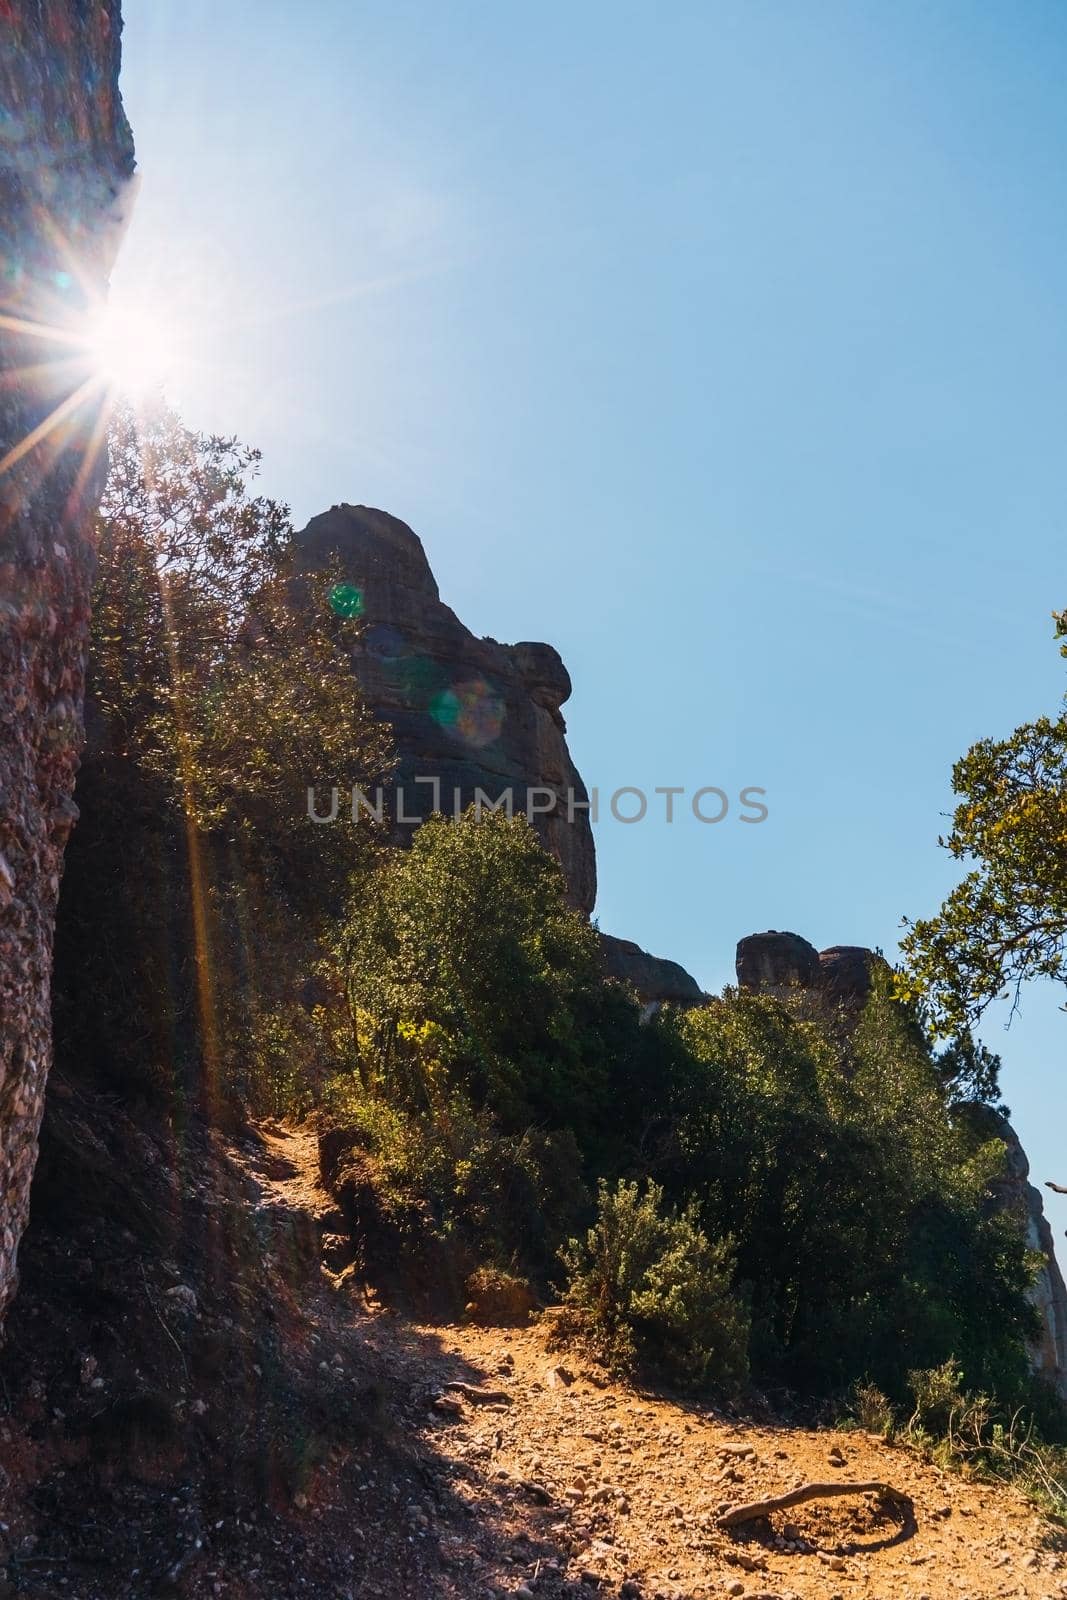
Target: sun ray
[11,377]
[93,446]
[42,330]
[50,423]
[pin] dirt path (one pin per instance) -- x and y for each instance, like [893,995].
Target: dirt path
[538,1477]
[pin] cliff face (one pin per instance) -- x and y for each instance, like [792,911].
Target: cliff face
[469,713]
[1049,1293]
[776,963]
[65,158]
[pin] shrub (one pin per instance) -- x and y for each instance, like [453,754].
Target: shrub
[452,1180]
[498,1299]
[938,1397]
[969,1430]
[651,1288]
[870,1409]
[467,970]
[859,1199]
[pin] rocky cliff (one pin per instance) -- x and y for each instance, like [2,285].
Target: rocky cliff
[468,715]
[65,158]
[779,963]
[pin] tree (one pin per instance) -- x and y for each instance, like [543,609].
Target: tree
[467,970]
[209,668]
[1006,923]
[858,1200]
[198,890]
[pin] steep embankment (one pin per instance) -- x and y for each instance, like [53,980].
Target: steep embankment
[203,1400]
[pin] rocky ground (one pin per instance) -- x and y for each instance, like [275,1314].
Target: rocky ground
[253,1426]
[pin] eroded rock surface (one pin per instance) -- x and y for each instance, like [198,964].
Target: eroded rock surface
[1049,1293]
[773,962]
[655,980]
[471,714]
[65,158]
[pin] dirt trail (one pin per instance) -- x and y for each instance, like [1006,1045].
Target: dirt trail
[540,1477]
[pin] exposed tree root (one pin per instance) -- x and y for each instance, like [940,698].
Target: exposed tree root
[797,1497]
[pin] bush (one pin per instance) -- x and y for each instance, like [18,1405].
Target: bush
[467,970]
[870,1409]
[938,1397]
[451,1189]
[499,1299]
[650,1288]
[964,1429]
[860,1200]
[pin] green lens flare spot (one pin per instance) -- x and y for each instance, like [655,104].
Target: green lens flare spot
[346,600]
[445,708]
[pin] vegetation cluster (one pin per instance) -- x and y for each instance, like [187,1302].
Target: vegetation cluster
[749,1192]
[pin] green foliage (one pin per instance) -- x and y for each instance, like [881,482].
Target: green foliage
[859,1203]
[1020,1443]
[290,1053]
[870,1409]
[209,669]
[452,1178]
[1006,922]
[467,970]
[197,892]
[649,1287]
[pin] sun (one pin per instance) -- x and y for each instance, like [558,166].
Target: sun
[133,348]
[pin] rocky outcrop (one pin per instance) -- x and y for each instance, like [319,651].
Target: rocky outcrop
[1048,1354]
[846,974]
[65,158]
[780,963]
[468,715]
[655,980]
[774,963]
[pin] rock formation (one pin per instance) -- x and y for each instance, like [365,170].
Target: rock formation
[1049,1293]
[779,963]
[470,714]
[773,962]
[65,159]
[655,980]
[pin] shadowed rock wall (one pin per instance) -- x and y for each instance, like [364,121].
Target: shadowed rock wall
[65,158]
[469,712]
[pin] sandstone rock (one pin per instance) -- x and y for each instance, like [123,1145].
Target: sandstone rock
[65,161]
[470,713]
[845,974]
[654,979]
[774,963]
[778,963]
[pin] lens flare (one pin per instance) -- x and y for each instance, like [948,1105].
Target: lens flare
[346,600]
[471,710]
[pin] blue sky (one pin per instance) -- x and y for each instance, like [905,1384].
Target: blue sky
[721,345]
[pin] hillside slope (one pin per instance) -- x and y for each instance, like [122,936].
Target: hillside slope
[251,1423]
